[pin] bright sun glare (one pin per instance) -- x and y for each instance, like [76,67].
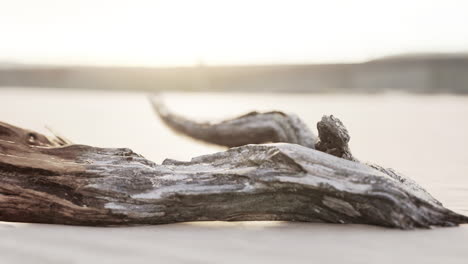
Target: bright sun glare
[176,32]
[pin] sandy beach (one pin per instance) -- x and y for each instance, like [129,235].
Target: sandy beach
[425,137]
[221,242]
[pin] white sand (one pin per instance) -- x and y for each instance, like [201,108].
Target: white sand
[437,159]
[221,242]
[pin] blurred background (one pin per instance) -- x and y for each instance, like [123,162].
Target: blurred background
[207,45]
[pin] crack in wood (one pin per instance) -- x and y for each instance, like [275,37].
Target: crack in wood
[304,178]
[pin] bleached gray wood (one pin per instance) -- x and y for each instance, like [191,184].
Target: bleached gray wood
[41,181]
[251,128]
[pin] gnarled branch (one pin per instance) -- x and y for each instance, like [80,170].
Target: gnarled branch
[257,128]
[251,128]
[41,181]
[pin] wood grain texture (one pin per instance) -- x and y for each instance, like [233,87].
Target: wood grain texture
[43,181]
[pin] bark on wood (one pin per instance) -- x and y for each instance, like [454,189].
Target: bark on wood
[43,181]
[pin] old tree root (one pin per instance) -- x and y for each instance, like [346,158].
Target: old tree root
[305,178]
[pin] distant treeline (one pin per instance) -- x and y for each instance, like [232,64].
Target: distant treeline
[418,74]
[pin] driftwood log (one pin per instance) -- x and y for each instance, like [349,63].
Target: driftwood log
[48,180]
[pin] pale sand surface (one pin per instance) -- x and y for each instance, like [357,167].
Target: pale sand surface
[235,243]
[425,137]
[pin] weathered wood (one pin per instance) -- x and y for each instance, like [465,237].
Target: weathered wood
[257,128]
[334,138]
[251,128]
[41,181]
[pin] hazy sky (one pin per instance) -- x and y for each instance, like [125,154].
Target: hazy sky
[176,32]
